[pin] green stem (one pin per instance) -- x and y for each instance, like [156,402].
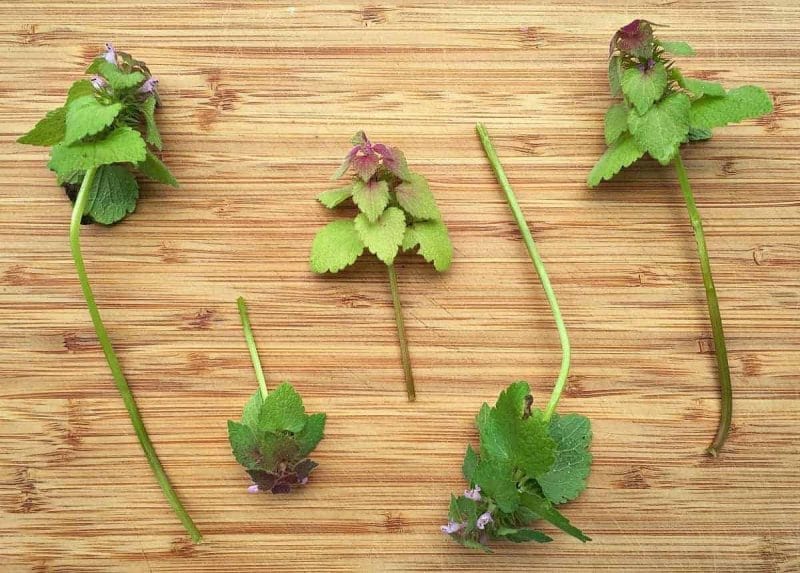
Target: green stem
[251,346]
[538,264]
[78,211]
[401,335]
[726,393]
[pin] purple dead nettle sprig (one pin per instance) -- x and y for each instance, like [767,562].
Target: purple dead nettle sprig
[103,136]
[397,211]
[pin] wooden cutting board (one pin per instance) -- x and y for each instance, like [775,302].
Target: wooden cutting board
[260,99]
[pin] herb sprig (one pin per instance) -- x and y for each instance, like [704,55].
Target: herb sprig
[661,110]
[397,211]
[529,460]
[104,132]
[276,435]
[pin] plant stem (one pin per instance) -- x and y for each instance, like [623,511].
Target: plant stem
[538,264]
[401,335]
[78,211]
[726,392]
[251,346]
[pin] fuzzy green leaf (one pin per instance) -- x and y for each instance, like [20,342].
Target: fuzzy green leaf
[155,169]
[88,116]
[566,479]
[470,464]
[414,195]
[616,122]
[123,145]
[622,153]
[383,237]
[371,198]
[244,444]
[677,48]
[535,449]
[644,88]
[615,75]
[118,79]
[311,434]
[282,410]
[544,509]
[496,480]
[49,130]
[113,195]
[698,134]
[335,197]
[523,534]
[336,246]
[252,410]
[700,88]
[741,103]
[434,243]
[79,89]
[663,127]
[152,135]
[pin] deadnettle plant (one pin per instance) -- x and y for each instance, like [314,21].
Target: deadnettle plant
[396,211]
[529,459]
[100,138]
[661,110]
[275,436]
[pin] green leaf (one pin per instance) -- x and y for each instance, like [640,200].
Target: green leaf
[155,169]
[434,243]
[616,122]
[496,481]
[113,195]
[282,410]
[534,451]
[663,127]
[741,103]
[87,116]
[522,535]
[383,237]
[336,246]
[496,440]
[335,197]
[244,444]
[544,509]
[49,130]
[79,89]
[471,461]
[371,197]
[252,410]
[414,195]
[118,79]
[152,135]
[621,154]
[677,48]
[513,401]
[566,479]
[615,75]
[277,448]
[700,88]
[644,88]
[698,134]
[123,145]
[311,434]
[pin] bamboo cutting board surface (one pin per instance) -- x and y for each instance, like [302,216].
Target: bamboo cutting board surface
[260,99]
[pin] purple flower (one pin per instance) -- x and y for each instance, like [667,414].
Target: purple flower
[365,157]
[474,494]
[452,527]
[149,85]
[483,520]
[99,82]
[111,54]
[635,38]
[253,489]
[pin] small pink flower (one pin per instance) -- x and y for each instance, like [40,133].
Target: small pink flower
[253,489]
[452,527]
[98,82]
[111,54]
[483,520]
[474,494]
[149,85]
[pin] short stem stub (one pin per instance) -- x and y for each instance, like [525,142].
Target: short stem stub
[251,346]
[726,391]
[401,335]
[538,264]
[78,211]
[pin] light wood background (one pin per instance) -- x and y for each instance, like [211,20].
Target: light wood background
[260,99]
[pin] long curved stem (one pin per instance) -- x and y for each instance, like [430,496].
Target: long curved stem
[726,392]
[538,264]
[78,211]
[401,335]
[251,346]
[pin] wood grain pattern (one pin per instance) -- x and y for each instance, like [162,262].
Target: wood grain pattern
[260,100]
